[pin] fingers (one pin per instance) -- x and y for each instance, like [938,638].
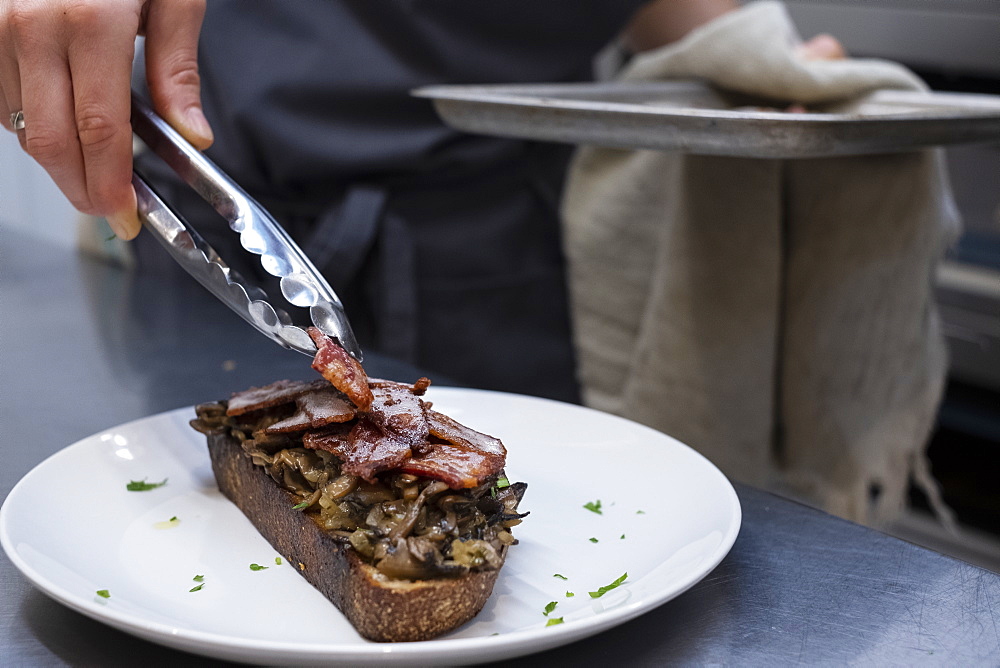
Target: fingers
[100,55]
[10,77]
[822,47]
[49,134]
[67,66]
[36,80]
[4,111]
[172,28]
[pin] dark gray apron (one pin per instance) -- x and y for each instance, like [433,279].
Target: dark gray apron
[444,247]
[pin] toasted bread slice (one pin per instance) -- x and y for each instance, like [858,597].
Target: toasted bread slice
[380,608]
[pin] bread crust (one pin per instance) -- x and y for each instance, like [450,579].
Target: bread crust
[380,608]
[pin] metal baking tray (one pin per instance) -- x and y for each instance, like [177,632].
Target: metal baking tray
[693,117]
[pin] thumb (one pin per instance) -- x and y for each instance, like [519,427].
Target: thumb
[172,28]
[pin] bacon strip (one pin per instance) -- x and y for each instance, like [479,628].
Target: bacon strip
[457,467]
[418,388]
[268,396]
[458,434]
[332,440]
[343,371]
[466,459]
[395,434]
[400,414]
[395,428]
[314,410]
[365,452]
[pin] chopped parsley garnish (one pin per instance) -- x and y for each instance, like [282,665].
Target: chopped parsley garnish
[168,524]
[622,537]
[104,593]
[277,560]
[549,607]
[554,621]
[570,594]
[257,567]
[606,588]
[502,482]
[143,486]
[594,506]
[593,540]
[640,512]
[300,506]
[196,587]
[560,576]
[199,578]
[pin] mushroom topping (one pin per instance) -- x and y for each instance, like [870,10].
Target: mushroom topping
[411,490]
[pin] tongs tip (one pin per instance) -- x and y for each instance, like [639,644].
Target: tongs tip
[332,321]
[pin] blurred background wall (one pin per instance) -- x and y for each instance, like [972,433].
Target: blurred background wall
[29,201]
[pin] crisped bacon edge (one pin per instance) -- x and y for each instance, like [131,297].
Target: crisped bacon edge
[343,371]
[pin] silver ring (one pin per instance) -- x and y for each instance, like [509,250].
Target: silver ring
[17,120]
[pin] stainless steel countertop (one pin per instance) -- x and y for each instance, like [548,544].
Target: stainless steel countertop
[97,346]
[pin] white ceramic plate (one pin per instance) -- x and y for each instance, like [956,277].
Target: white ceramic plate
[668,518]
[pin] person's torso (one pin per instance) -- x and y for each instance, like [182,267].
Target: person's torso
[307,94]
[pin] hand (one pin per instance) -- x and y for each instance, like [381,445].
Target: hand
[661,22]
[821,47]
[67,65]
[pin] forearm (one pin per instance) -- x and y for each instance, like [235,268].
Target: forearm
[664,21]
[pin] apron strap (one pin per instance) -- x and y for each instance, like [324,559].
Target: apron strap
[396,309]
[344,233]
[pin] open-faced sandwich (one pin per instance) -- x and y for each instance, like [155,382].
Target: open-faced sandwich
[398,514]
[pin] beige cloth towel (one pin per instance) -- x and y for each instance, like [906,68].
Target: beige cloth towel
[775,315]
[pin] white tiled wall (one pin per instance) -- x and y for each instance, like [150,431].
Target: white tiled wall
[29,201]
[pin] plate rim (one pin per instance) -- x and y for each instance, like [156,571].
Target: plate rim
[444,650]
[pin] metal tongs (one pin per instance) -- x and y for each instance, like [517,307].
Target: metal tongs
[301,284]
